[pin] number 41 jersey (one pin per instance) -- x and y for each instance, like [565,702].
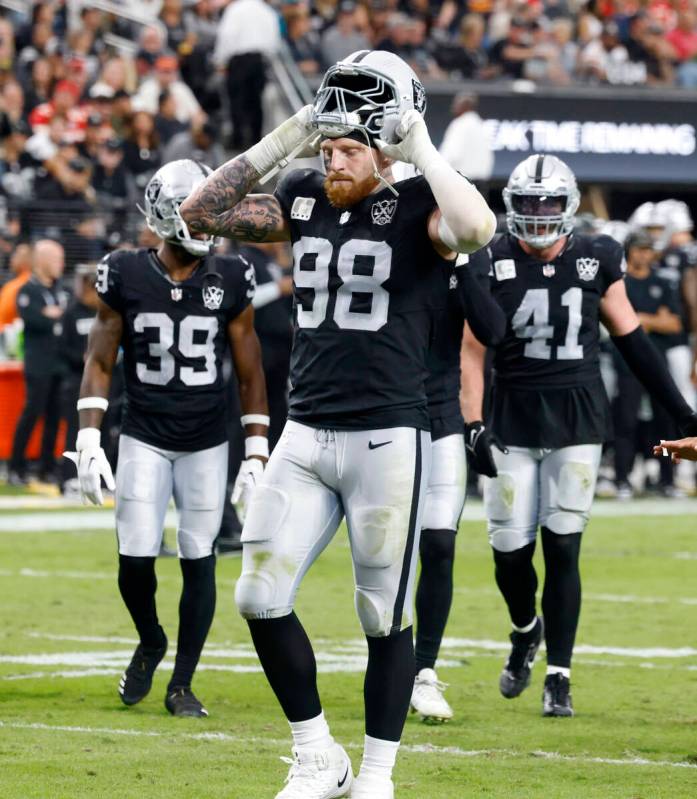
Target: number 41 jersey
[173,345]
[367,283]
[547,386]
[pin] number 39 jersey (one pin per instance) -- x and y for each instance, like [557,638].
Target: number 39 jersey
[367,282]
[547,386]
[173,345]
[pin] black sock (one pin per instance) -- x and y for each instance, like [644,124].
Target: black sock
[517,581]
[389,681]
[434,594]
[138,584]
[289,663]
[196,609]
[561,597]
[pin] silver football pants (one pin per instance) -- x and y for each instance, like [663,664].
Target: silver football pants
[146,479]
[540,488]
[445,496]
[377,479]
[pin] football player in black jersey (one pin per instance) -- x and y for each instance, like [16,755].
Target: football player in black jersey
[173,310]
[469,299]
[368,256]
[550,411]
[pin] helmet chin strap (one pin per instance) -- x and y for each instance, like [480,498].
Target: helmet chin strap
[376,172]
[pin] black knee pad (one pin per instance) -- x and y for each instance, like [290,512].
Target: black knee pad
[437,546]
[511,561]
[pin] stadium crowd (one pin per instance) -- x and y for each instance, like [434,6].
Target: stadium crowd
[84,124]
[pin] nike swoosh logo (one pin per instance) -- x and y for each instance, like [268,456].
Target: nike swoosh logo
[342,781]
[377,446]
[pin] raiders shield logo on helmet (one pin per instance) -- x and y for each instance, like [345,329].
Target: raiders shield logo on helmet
[419,96]
[383,211]
[212,297]
[587,268]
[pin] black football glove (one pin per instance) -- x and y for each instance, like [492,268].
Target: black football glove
[688,426]
[478,443]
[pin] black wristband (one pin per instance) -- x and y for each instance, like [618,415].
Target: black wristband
[649,366]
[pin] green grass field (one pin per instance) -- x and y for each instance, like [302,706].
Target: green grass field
[65,638]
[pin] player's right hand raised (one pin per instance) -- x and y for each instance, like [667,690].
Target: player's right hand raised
[92,466]
[478,442]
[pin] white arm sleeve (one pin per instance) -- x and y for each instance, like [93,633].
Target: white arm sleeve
[266,293]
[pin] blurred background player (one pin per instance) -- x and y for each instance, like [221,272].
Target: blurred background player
[174,311]
[468,298]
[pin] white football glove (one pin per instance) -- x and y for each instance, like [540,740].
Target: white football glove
[92,466]
[294,138]
[415,146]
[247,480]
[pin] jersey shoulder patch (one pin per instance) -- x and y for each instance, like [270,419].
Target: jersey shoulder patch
[297,193]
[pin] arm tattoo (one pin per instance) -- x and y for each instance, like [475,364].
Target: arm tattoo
[220,206]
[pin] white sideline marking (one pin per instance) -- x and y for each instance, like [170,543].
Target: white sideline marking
[409,748]
[625,599]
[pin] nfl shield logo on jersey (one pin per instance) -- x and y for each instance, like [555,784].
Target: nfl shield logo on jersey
[587,268]
[212,297]
[548,270]
[383,211]
[177,294]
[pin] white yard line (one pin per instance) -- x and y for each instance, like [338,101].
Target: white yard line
[455,751]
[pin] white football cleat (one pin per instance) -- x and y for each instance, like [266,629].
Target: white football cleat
[317,774]
[427,697]
[366,786]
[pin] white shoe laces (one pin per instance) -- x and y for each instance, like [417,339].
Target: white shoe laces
[301,779]
[434,685]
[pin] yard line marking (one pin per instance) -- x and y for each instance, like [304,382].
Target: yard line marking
[628,599]
[409,748]
[580,649]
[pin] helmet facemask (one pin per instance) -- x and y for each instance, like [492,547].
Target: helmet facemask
[538,217]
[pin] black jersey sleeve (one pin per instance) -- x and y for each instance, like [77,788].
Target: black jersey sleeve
[484,314]
[288,189]
[610,254]
[109,281]
[240,280]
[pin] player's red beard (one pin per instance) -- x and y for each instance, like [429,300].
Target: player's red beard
[343,194]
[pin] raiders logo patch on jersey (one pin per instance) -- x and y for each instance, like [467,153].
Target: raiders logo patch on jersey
[382,212]
[212,297]
[302,208]
[587,268]
[505,269]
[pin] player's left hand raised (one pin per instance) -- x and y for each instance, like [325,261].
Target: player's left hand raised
[92,466]
[478,445]
[415,146]
[247,480]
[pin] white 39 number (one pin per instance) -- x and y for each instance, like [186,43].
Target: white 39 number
[318,279]
[160,349]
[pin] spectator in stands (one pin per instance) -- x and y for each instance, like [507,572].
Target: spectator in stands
[96,132]
[42,44]
[166,78]
[110,179]
[683,40]
[166,123]
[20,268]
[407,39]
[303,41]
[64,104]
[248,32]
[562,34]
[142,148]
[466,144]
[39,87]
[41,303]
[12,104]
[17,167]
[121,113]
[606,60]
[118,74]
[7,45]
[178,38]
[647,46]
[345,36]
[200,142]
[151,46]
[511,53]
[201,24]
[465,57]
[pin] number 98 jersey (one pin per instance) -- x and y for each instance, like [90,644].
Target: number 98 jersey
[547,386]
[366,283]
[173,344]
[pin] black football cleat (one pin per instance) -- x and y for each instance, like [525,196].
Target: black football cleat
[137,679]
[182,702]
[515,676]
[556,697]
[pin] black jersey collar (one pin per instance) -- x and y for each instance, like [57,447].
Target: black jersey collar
[161,269]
